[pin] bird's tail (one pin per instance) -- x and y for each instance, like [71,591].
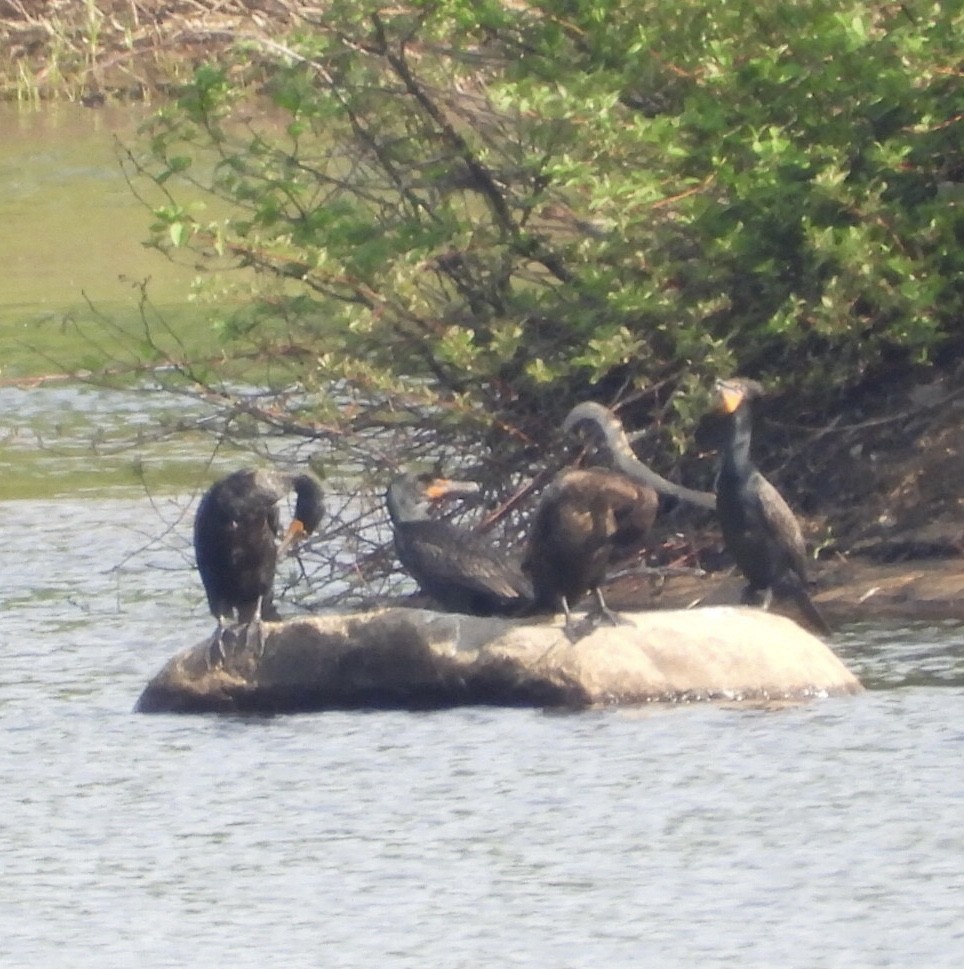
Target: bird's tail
[797,591]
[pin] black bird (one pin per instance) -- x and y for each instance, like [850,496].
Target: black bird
[585,520]
[235,532]
[610,433]
[760,531]
[457,568]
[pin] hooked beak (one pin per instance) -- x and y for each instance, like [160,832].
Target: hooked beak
[730,396]
[295,532]
[440,488]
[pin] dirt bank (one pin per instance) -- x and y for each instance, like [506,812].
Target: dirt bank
[848,590]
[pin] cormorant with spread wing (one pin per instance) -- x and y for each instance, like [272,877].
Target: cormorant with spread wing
[457,568]
[235,531]
[585,520]
[760,531]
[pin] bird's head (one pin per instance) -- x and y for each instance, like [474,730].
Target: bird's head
[309,510]
[410,495]
[730,394]
[310,501]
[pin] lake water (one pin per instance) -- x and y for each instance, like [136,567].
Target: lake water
[826,834]
[821,835]
[71,249]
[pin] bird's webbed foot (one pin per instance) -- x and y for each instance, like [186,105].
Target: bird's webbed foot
[575,631]
[753,596]
[252,636]
[222,641]
[611,616]
[592,620]
[602,611]
[216,650]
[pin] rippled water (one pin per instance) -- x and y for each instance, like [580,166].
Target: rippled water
[826,834]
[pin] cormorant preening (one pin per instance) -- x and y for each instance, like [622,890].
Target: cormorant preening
[457,568]
[760,531]
[613,437]
[585,520]
[235,531]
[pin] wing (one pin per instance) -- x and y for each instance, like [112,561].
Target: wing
[783,526]
[439,555]
[631,509]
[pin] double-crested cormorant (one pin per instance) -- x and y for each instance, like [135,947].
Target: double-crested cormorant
[610,433]
[235,531]
[585,519]
[457,568]
[760,531]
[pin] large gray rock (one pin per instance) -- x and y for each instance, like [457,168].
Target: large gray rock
[411,658]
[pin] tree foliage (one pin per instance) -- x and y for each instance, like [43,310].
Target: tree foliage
[460,218]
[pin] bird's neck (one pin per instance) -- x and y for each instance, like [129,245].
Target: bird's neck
[309,505]
[736,455]
[404,508]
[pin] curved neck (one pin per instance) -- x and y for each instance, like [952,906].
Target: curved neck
[625,461]
[309,504]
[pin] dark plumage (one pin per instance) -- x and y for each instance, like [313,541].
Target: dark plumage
[235,539]
[760,531]
[457,568]
[585,520]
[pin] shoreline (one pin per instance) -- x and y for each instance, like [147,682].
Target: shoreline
[845,591]
[124,51]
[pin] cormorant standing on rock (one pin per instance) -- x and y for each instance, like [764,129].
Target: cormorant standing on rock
[760,531]
[235,532]
[585,519]
[457,568]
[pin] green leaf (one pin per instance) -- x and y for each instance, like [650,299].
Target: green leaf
[178,232]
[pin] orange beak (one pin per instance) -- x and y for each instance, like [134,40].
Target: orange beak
[731,396]
[296,531]
[447,488]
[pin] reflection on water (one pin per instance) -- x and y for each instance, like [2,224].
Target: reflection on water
[822,834]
